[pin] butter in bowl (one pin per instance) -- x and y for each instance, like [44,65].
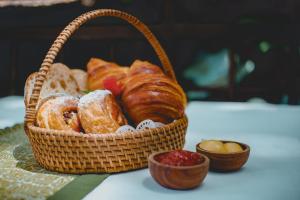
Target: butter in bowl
[224,155]
[178,169]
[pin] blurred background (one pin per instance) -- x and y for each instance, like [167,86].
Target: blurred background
[221,50]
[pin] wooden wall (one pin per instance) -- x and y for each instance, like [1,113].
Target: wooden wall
[183,27]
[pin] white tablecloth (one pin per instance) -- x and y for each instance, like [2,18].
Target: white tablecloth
[272,171]
[12,111]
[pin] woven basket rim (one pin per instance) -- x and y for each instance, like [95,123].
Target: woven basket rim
[71,133]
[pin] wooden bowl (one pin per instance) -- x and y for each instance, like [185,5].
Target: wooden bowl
[225,162]
[177,177]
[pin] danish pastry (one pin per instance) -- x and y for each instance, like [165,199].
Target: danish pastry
[59,113]
[149,94]
[99,112]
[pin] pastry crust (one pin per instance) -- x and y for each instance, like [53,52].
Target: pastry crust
[99,70]
[29,87]
[58,112]
[99,112]
[144,67]
[149,94]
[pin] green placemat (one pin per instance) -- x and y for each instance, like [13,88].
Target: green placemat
[21,177]
[79,187]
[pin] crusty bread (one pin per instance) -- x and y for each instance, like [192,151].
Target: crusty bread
[81,78]
[29,87]
[59,80]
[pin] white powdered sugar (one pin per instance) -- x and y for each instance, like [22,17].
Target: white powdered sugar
[41,99]
[62,100]
[92,96]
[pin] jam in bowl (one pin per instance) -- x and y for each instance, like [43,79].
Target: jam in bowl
[178,169]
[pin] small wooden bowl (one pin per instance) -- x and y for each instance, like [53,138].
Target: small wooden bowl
[225,162]
[177,177]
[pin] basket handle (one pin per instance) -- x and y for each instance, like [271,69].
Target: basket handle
[65,35]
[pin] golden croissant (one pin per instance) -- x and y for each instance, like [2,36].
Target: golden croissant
[149,94]
[105,75]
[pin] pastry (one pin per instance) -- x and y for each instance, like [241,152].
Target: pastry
[99,112]
[105,75]
[58,112]
[149,94]
[144,67]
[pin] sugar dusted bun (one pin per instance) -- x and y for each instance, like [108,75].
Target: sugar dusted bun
[149,94]
[58,112]
[99,112]
[100,70]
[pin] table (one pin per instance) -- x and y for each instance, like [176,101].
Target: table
[272,171]
[12,111]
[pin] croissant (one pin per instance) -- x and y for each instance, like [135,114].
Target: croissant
[105,75]
[149,94]
[59,112]
[99,112]
[144,67]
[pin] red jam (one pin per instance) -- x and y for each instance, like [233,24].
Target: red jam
[180,158]
[110,83]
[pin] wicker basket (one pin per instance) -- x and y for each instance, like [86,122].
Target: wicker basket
[68,152]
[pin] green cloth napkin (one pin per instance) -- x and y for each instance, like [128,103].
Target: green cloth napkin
[79,187]
[21,177]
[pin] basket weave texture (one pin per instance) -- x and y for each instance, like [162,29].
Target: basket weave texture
[70,152]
